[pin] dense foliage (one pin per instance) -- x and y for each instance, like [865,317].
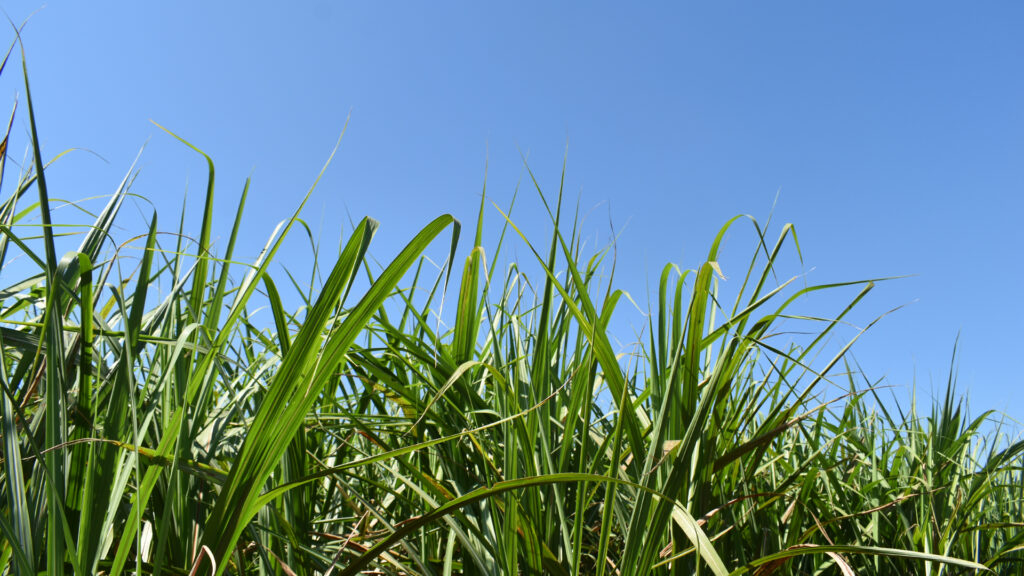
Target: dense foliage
[149,424]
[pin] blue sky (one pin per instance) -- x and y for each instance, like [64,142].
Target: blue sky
[891,133]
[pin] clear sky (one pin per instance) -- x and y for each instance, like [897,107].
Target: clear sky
[892,133]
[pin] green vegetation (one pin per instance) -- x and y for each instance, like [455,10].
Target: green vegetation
[151,425]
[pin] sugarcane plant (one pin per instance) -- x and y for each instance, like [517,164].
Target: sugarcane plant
[152,423]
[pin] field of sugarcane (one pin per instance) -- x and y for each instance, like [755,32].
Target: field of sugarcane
[153,424]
